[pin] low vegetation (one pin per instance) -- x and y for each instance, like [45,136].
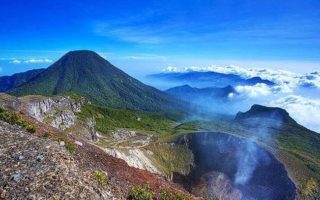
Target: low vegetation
[14,119]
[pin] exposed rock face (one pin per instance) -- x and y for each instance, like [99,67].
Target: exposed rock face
[58,111]
[38,168]
[134,158]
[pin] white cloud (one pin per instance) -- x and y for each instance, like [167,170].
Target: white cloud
[287,93]
[41,60]
[260,89]
[146,57]
[171,69]
[32,60]
[304,110]
[16,61]
[286,81]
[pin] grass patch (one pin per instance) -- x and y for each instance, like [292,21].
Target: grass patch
[100,177]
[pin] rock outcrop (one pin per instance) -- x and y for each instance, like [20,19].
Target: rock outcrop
[58,111]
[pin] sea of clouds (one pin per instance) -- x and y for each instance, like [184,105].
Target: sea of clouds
[299,94]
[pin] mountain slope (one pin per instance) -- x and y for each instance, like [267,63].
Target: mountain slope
[88,74]
[9,82]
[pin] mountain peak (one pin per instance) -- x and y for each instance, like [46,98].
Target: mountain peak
[86,73]
[259,111]
[81,53]
[82,57]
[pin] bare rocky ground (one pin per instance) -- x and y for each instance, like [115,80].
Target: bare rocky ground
[39,168]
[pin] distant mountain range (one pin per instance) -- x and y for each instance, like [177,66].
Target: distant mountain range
[9,82]
[206,79]
[88,74]
[190,94]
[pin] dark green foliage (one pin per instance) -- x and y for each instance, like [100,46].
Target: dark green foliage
[13,118]
[9,82]
[108,119]
[87,74]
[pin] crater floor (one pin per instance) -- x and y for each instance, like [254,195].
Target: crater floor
[233,168]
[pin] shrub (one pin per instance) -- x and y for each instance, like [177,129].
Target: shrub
[140,193]
[101,177]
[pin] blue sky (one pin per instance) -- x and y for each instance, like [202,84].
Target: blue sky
[145,36]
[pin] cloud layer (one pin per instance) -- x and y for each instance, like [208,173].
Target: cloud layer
[32,60]
[304,110]
[299,94]
[287,80]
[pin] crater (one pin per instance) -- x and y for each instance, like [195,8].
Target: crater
[228,167]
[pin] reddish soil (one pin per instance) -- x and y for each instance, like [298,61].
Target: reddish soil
[121,177]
